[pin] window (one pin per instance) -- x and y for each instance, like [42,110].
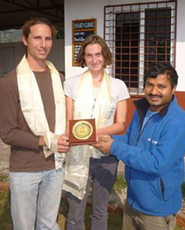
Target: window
[138,36]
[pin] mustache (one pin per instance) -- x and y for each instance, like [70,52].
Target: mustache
[154,95]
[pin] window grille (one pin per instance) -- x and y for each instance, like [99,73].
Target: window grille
[138,36]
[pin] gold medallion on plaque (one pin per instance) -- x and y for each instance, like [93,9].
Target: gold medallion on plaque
[82,130]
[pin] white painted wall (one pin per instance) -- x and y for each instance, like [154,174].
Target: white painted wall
[56,55]
[180,45]
[85,9]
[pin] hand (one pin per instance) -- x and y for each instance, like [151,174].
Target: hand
[104,143]
[63,144]
[41,141]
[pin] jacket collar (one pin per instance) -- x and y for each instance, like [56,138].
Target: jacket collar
[142,106]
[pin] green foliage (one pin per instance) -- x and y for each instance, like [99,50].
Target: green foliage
[178,228]
[3,200]
[120,184]
[183,191]
[5,217]
[60,33]
[115,220]
[3,177]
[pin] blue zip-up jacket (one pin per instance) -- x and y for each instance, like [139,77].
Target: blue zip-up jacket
[154,159]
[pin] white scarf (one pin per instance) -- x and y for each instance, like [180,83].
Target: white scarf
[32,105]
[85,107]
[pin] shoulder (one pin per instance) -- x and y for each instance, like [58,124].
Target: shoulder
[120,89]
[175,114]
[71,81]
[73,78]
[9,76]
[71,86]
[9,86]
[118,83]
[9,80]
[179,113]
[174,106]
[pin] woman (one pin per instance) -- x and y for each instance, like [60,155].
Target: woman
[94,94]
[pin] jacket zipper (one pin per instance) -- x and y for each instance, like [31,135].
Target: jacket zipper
[141,129]
[140,132]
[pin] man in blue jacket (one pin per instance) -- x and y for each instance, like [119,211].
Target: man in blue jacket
[152,150]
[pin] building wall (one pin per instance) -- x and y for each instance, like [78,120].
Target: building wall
[10,62]
[180,45]
[86,9]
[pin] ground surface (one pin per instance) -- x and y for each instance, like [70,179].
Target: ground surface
[116,203]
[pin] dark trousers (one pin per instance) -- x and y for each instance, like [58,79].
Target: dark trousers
[102,175]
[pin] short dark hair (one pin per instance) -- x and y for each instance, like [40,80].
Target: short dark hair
[163,68]
[94,39]
[35,21]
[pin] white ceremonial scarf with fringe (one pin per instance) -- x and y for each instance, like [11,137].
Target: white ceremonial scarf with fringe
[86,107]
[33,108]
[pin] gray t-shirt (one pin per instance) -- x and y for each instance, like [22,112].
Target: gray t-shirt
[119,91]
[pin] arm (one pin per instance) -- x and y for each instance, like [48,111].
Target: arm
[119,120]
[104,142]
[62,143]
[159,158]
[13,128]
[156,159]
[69,112]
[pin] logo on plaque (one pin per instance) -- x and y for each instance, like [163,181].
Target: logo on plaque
[82,130]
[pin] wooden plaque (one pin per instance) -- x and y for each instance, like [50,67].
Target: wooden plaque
[82,132]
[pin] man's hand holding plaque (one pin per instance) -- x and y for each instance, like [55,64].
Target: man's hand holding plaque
[82,132]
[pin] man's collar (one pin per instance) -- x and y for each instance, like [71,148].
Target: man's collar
[142,106]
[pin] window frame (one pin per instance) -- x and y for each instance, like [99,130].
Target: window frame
[110,14]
